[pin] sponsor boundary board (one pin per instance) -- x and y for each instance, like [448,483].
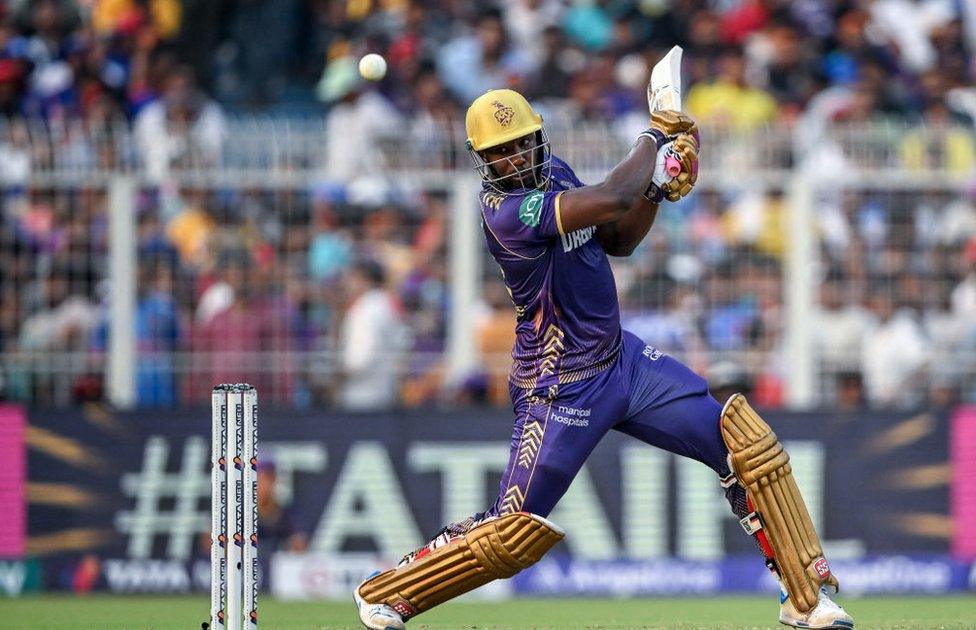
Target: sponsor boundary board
[145,479]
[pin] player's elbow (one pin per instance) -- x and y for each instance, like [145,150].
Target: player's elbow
[621,251]
[612,244]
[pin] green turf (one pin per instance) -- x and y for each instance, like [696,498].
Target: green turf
[712,613]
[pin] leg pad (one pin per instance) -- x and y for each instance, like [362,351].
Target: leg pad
[763,467]
[498,548]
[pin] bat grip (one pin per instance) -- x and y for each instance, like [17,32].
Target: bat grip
[672,165]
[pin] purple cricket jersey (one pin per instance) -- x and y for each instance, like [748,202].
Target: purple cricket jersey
[567,316]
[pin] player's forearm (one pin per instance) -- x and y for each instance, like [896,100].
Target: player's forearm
[632,176]
[622,236]
[613,197]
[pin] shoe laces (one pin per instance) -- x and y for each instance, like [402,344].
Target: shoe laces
[827,602]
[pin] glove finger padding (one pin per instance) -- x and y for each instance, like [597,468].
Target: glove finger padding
[670,123]
[685,149]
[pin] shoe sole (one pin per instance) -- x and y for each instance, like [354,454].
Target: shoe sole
[836,625]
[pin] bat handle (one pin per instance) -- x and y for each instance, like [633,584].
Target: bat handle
[671,165]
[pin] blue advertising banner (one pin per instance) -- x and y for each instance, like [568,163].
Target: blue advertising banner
[870,575]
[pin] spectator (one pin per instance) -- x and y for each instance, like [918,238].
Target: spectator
[384,242]
[527,20]
[657,310]
[850,391]
[942,144]
[434,113]
[728,99]
[894,353]
[556,61]
[371,341]
[473,63]
[50,90]
[495,338]
[789,75]
[163,16]
[589,24]
[11,87]
[158,337]
[964,295]
[331,248]
[192,228]
[734,319]
[183,129]
[64,319]
[841,323]
[226,335]
[726,378]
[284,332]
[357,121]
[908,27]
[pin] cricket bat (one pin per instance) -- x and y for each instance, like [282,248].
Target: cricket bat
[664,92]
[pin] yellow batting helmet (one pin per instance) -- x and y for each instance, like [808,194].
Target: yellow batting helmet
[497,117]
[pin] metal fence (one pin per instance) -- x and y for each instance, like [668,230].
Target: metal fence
[814,265]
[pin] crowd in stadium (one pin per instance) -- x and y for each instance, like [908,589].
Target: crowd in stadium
[298,272]
[749,60]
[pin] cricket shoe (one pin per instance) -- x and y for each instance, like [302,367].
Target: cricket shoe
[377,616]
[826,615]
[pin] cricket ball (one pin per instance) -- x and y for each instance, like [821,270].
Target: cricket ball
[372,67]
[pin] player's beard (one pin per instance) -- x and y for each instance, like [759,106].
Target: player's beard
[526,175]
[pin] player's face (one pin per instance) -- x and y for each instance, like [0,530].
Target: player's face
[514,162]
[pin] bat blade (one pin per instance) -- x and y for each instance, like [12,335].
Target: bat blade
[664,90]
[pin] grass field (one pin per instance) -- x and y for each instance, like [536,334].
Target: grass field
[186,613]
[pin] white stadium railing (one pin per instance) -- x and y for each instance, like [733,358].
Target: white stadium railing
[734,276]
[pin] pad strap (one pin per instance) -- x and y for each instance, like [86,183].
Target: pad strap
[751,523]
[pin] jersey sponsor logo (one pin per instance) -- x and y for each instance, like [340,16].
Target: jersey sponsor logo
[572,416]
[571,422]
[577,238]
[530,210]
[652,353]
[573,411]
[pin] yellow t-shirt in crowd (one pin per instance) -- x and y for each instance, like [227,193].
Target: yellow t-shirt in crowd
[723,102]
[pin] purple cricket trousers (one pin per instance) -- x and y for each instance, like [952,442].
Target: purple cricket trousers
[646,394]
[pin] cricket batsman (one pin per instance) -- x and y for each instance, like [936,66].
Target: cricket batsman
[577,374]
